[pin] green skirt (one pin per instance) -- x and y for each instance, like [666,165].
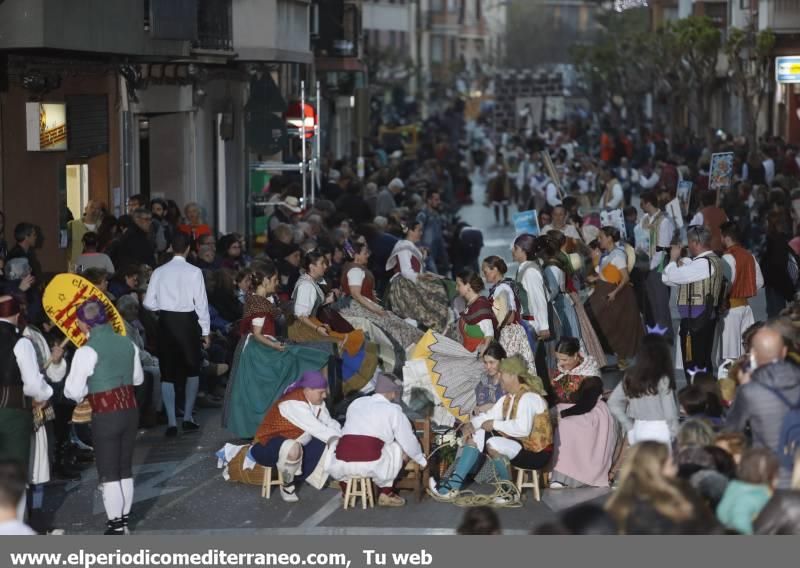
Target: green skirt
[16,427]
[261,376]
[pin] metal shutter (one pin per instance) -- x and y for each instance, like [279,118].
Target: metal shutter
[87,125]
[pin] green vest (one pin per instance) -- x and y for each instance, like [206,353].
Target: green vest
[114,367]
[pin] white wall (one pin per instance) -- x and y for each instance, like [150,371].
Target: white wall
[272,30]
[388,17]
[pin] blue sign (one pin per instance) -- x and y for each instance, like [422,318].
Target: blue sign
[787,69]
[526,222]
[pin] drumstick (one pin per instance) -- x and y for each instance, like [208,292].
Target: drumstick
[50,360]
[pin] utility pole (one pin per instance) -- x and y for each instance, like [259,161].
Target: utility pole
[418,65]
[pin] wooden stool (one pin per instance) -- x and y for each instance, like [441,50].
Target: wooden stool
[529,479]
[266,485]
[359,487]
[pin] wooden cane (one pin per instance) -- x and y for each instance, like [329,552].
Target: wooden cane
[50,360]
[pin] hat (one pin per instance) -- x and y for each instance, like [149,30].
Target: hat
[9,307]
[92,312]
[516,366]
[291,203]
[387,383]
[396,182]
[309,380]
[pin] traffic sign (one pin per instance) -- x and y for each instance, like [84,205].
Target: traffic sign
[787,69]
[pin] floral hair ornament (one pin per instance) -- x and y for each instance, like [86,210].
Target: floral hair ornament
[695,370]
[348,249]
[656,330]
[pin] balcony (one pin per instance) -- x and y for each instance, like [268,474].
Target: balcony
[441,21]
[781,16]
[214,26]
[339,29]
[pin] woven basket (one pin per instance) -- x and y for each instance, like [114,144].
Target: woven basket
[237,474]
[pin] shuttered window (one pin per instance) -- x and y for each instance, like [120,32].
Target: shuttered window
[87,125]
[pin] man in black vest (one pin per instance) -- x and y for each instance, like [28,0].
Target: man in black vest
[22,386]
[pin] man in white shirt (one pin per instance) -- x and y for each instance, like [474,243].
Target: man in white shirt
[105,371]
[661,230]
[552,195]
[613,197]
[177,291]
[22,386]
[559,223]
[699,281]
[377,439]
[743,273]
[295,432]
[648,179]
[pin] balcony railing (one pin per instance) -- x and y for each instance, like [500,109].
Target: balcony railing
[214,25]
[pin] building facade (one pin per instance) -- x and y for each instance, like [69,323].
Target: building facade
[155,95]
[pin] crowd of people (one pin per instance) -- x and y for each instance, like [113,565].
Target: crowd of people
[374,304]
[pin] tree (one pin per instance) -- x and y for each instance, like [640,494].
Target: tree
[749,64]
[698,43]
[619,66]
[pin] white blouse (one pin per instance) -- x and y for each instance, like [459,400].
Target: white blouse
[307,294]
[356,276]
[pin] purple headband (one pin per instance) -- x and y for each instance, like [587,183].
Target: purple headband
[92,312]
[309,380]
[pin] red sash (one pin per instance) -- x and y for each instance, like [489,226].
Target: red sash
[355,448]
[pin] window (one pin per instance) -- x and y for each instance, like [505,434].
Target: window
[437,49]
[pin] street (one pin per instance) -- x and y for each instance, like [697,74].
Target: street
[180,490]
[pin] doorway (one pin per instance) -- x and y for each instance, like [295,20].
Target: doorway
[77,188]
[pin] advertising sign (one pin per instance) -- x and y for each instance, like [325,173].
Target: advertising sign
[787,69]
[46,126]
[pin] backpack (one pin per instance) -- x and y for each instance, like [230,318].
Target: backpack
[789,439]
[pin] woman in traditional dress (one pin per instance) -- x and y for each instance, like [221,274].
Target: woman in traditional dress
[454,369]
[586,436]
[359,358]
[265,366]
[361,303]
[613,303]
[555,278]
[536,315]
[574,286]
[489,390]
[505,303]
[414,293]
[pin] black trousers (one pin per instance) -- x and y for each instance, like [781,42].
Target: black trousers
[697,336]
[179,346]
[114,434]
